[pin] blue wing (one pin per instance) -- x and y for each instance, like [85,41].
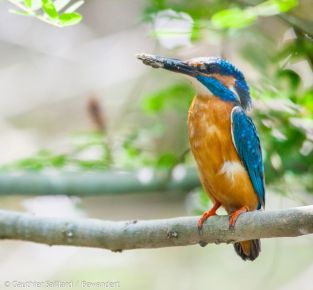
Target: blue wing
[247,143]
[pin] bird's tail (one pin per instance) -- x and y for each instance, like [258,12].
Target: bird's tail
[248,250]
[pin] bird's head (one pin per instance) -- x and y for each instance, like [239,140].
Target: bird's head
[210,76]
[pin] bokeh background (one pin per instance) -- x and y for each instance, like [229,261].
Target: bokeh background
[75,100]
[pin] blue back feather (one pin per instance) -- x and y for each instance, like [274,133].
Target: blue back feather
[247,143]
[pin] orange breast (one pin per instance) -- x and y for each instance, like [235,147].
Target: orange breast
[221,171]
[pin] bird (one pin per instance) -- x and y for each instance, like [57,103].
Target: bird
[223,139]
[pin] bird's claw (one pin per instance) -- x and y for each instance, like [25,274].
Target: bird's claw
[206,215]
[234,216]
[200,229]
[231,227]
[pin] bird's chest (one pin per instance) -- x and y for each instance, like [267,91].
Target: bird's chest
[209,126]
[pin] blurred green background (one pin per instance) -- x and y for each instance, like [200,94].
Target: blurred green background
[74,100]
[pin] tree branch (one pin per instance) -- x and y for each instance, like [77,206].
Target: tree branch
[118,236]
[94,183]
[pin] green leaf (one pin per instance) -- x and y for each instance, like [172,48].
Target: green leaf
[274,7]
[49,8]
[153,104]
[166,160]
[233,18]
[239,18]
[67,19]
[58,160]
[291,76]
[196,31]
[285,5]
[28,3]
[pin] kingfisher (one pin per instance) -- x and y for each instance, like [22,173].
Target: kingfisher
[223,139]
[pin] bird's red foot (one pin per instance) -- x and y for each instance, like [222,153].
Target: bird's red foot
[206,215]
[234,216]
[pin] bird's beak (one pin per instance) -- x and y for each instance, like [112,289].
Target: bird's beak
[170,64]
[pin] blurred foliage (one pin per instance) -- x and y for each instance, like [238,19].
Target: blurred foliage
[59,13]
[224,14]
[89,150]
[177,96]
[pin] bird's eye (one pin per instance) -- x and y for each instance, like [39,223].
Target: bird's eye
[212,68]
[207,68]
